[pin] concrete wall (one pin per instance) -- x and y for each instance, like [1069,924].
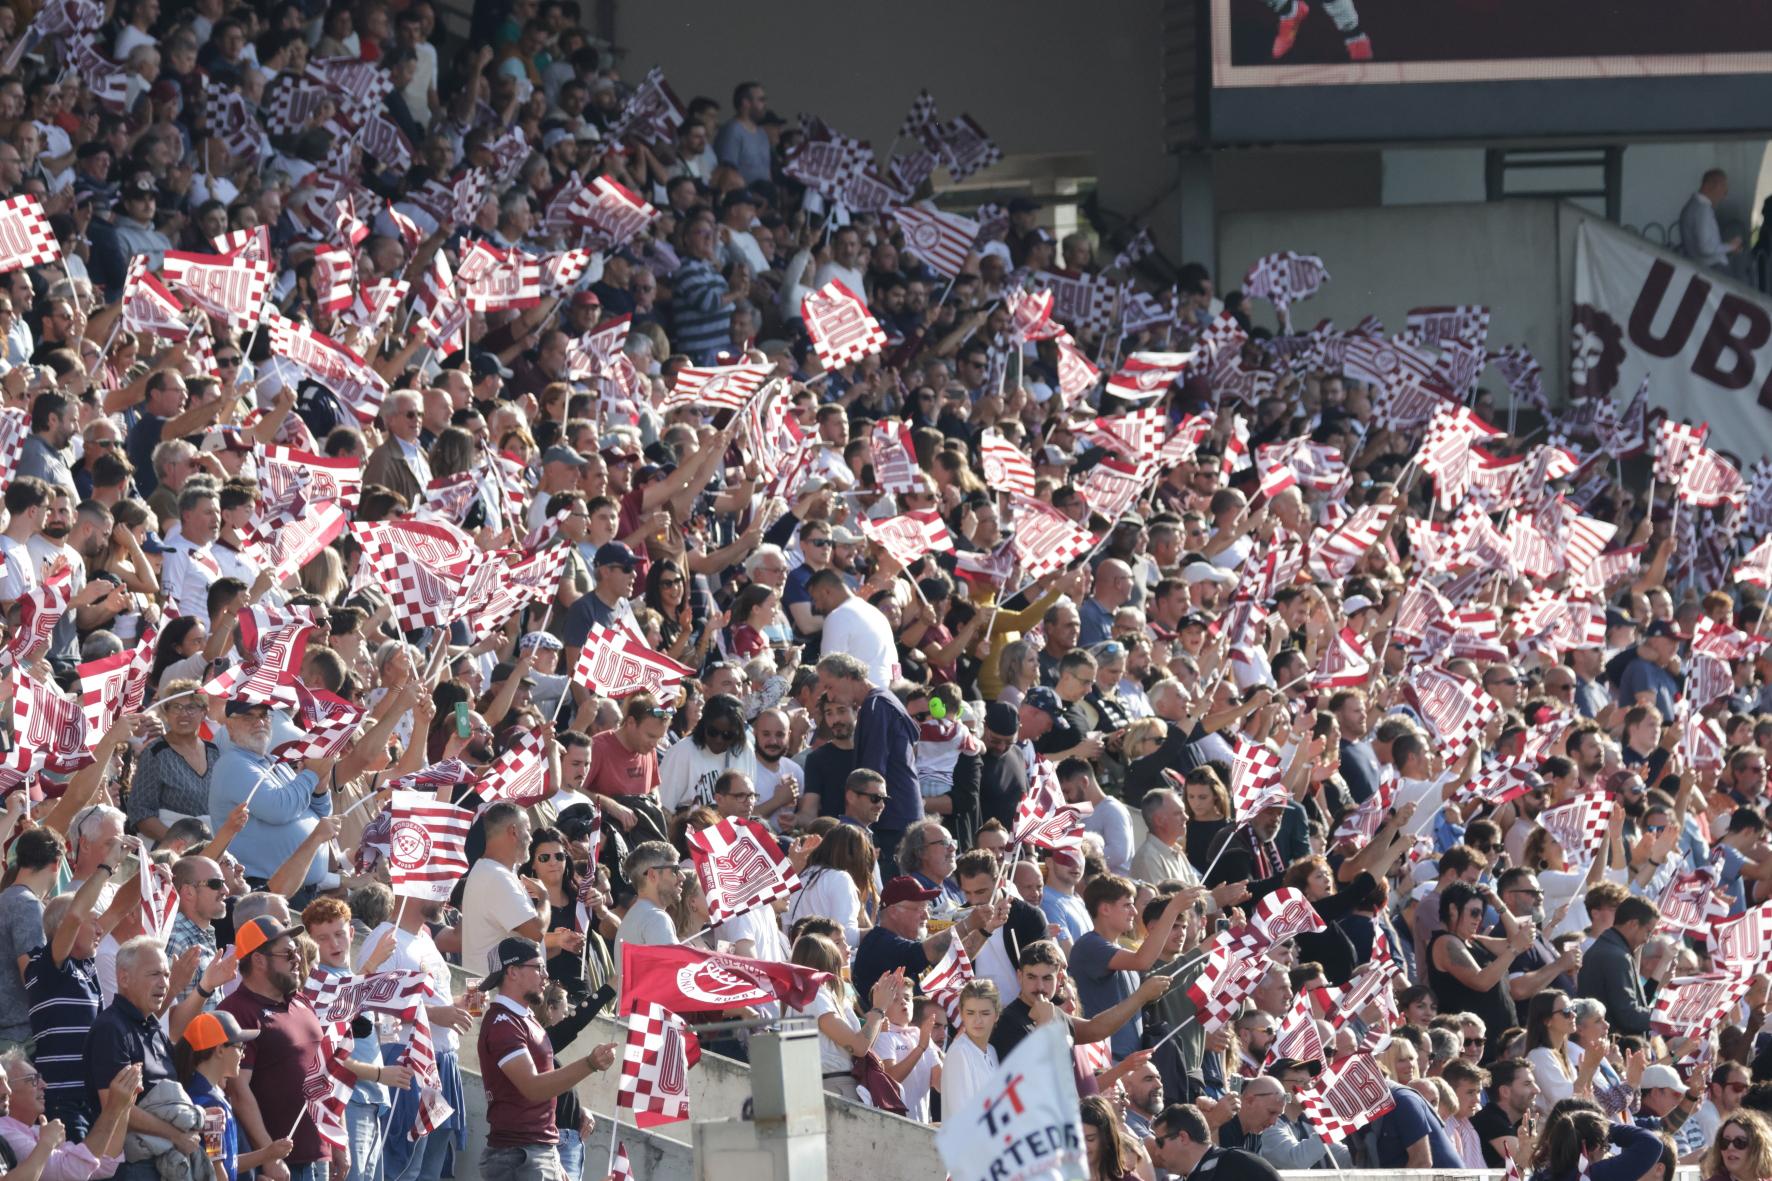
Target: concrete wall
[1042,78]
[1514,256]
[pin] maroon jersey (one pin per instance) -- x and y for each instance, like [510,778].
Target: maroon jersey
[511,1120]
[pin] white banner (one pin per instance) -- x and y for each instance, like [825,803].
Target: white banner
[1703,341]
[1024,1125]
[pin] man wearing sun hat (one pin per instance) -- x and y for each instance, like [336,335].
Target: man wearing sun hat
[287,1048]
[517,1064]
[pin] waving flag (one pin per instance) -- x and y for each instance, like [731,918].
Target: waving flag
[1709,480]
[423,566]
[613,213]
[842,329]
[335,277]
[1113,485]
[894,457]
[1455,708]
[614,664]
[1229,978]
[1299,1039]
[148,307]
[1076,375]
[1694,1006]
[724,387]
[1006,466]
[1276,918]
[683,979]
[654,1082]
[231,287]
[1284,278]
[1580,826]
[343,372]
[520,774]
[1044,538]
[40,609]
[740,866]
[1675,446]
[1347,662]
[943,982]
[1467,324]
[48,726]
[1347,1098]
[1147,376]
[427,845]
[652,111]
[1255,779]
[942,240]
[25,237]
[1744,942]
[1694,902]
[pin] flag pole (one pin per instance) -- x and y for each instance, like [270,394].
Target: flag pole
[614,1127]
[1183,1025]
[1241,824]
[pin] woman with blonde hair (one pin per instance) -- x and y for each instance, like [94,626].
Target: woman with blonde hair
[1018,666]
[1742,1150]
[842,1035]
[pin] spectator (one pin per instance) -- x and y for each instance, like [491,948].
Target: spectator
[496,903]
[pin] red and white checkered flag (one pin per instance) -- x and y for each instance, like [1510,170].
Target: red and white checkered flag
[48,726]
[942,240]
[654,1082]
[1284,278]
[1580,826]
[1006,466]
[943,982]
[1362,822]
[1113,485]
[909,537]
[25,237]
[427,845]
[1455,708]
[840,325]
[1255,779]
[1139,435]
[1745,941]
[1347,662]
[520,774]
[620,1169]
[328,1090]
[963,146]
[40,609]
[1299,1038]
[1076,374]
[148,307]
[652,112]
[1276,918]
[741,867]
[1335,552]
[721,387]
[1675,446]
[613,213]
[230,287]
[422,566]
[1229,978]
[1045,539]
[1466,324]
[1710,480]
[1347,1098]
[1708,678]
[1694,1006]
[1046,827]
[614,664]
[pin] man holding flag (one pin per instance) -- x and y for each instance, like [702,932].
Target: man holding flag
[517,1063]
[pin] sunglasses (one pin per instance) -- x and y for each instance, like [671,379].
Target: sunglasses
[545,858]
[724,735]
[1471,1043]
[818,543]
[1737,1142]
[215,884]
[228,362]
[879,797]
[921,715]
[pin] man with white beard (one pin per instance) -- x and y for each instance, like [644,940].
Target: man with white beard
[284,803]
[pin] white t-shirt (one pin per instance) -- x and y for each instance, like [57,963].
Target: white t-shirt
[895,1043]
[858,628]
[832,1058]
[687,772]
[493,906]
[832,894]
[414,952]
[966,1071]
[18,570]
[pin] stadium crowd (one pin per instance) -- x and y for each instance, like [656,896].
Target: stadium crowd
[1201,632]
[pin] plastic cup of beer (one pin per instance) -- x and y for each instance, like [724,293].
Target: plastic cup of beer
[215,1125]
[475,1000]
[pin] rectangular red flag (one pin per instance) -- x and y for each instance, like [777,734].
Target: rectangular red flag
[894,457]
[942,240]
[614,664]
[720,387]
[1347,1098]
[683,979]
[520,774]
[740,866]
[1006,467]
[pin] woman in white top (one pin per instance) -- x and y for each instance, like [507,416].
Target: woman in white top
[842,1036]
[1549,1026]
[971,1063]
[1565,885]
[838,883]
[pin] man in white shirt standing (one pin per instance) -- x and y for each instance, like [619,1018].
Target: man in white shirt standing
[190,567]
[496,903]
[1701,240]
[854,626]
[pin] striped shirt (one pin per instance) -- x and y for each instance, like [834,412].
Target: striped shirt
[64,1004]
[700,314]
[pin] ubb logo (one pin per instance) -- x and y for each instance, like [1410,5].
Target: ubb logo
[409,845]
[711,982]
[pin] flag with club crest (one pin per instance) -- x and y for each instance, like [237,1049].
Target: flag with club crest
[1044,538]
[1145,377]
[613,663]
[842,329]
[231,288]
[740,867]
[25,237]
[1347,1098]
[684,979]
[894,457]
[943,982]
[427,845]
[1228,979]
[1255,779]
[654,1083]
[1580,826]
[1006,466]
[942,240]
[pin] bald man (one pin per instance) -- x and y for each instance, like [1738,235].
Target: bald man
[1112,590]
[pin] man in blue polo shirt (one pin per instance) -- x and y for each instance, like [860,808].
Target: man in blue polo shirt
[284,804]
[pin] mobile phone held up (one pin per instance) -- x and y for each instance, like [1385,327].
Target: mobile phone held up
[462,730]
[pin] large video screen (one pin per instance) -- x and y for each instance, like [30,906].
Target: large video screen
[1352,70]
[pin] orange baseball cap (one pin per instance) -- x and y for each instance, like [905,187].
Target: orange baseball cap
[260,931]
[209,1030]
